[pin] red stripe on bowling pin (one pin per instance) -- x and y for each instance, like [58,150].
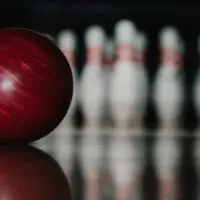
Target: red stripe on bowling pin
[94,56]
[170,56]
[125,52]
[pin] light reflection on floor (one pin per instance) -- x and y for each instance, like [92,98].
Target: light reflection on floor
[131,164]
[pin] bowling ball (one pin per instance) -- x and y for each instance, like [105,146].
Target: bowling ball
[35,85]
[29,174]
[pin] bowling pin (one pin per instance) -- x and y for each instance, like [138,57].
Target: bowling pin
[92,83]
[121,90]
[168,87]
[167,160]
[67,41]
[140,87]
[90,156]
[125,167]
[64,133]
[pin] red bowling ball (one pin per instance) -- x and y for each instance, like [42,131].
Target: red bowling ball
[30,174]
[35,85]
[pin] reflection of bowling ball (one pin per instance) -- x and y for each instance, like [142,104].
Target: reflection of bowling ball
[27,173]
[35,85]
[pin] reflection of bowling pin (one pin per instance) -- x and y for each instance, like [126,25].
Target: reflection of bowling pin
[92,84]
[167,159]
[90,153]
[125,167]
[121,94]
[168,88]
[67,42]
[64,149]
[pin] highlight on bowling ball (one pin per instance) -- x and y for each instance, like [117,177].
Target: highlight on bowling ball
[36,85]
[29,174]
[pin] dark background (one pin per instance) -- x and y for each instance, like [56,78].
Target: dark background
[53,16]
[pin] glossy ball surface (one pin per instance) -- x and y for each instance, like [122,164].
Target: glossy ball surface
[29,174]
[35,85]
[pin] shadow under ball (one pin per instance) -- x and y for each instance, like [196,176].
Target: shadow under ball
[27,173]
[36,85]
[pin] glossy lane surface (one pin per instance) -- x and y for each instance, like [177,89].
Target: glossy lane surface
[27,173]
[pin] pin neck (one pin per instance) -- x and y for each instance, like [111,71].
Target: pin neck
[94,56]
[170,56]
[125,52]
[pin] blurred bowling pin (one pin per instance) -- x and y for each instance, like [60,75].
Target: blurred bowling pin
[168,88]
[140,87]
[167,159]
[64,143]
[90,152]
[92,83]
[67,41]
[125,166]
[121,91]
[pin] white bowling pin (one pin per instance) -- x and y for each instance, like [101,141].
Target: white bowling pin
[92,84]
[63,134]
[168,87]
[167,160]
[121,91]
[67,41]
[140,87]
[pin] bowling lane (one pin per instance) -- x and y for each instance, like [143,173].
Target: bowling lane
[106,164]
